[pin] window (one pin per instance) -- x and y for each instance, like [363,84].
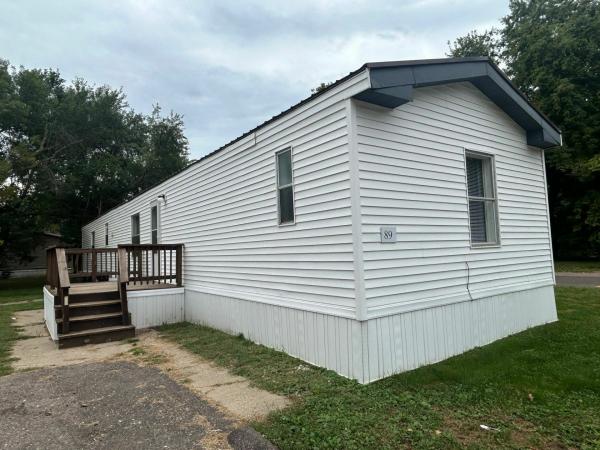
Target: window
[135,229]
[154,223]
[93,239]
[285,187]
[483,216]
[106,234]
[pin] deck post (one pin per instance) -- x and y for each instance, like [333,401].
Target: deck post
[63,286]
[123,280]
[94,262]
[179,264]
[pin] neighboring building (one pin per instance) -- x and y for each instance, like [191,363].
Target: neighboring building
[36,265]
[392,220]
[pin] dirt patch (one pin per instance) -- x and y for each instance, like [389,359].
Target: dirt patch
[520,432]
[232,392]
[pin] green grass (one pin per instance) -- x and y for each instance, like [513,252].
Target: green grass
[540,388]
[577,266]
[21,289]
[26,294]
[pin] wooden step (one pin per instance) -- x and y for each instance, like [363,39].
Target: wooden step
[96,336]
[91,317]
[94,303]
[93,296]
[90,308]
[92,321]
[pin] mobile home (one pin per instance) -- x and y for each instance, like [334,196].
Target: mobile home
[392,220]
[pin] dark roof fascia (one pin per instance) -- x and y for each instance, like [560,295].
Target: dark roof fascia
[392,84]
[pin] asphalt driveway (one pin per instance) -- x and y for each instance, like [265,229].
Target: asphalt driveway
[111,405]
[590,279]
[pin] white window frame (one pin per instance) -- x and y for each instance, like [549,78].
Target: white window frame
[139,221]
[490,157]
[106,237]
[156,205]
[278,187]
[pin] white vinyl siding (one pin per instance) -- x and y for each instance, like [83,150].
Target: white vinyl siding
[224,210]
[412,176]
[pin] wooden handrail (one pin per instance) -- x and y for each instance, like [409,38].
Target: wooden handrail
[57,276]
[81,251]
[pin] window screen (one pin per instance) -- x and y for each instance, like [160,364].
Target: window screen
[154,224]
[106,235]
[135,229]
[482,199]
[285,187]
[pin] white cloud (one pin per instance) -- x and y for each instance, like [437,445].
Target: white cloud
[227,66]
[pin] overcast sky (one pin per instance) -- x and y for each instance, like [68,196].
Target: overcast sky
[228,65]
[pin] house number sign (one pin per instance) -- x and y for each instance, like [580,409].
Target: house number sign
[388,234]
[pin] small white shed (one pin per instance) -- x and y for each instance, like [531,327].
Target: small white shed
[392,220]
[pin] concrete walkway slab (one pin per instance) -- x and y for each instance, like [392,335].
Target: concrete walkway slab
[232,392]
[578,279]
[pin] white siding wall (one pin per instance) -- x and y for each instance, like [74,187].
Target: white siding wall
[224,209]
[412,175]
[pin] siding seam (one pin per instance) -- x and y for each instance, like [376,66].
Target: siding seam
[359,281]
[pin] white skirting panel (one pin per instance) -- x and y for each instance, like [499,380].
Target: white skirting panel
[151,308]
[49,316]
[406,341]
[320,339]
[375,348]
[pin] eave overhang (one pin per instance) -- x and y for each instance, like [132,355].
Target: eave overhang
[392,85]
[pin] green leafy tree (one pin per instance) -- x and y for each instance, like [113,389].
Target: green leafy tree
[474,43]
[69,152]
[551,51]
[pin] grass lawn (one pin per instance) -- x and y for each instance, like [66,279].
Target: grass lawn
[540,389]
[577,266]
[27,291]
[21,289]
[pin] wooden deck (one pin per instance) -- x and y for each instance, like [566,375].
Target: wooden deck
[110,286]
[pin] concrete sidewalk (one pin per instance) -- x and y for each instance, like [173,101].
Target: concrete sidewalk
[578,279]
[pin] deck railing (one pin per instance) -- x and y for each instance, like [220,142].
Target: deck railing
[152,264]
[131,266]
[94,263]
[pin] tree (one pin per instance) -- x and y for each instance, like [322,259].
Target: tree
[69,152]
[551,51]
[321,87]
[476,43]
